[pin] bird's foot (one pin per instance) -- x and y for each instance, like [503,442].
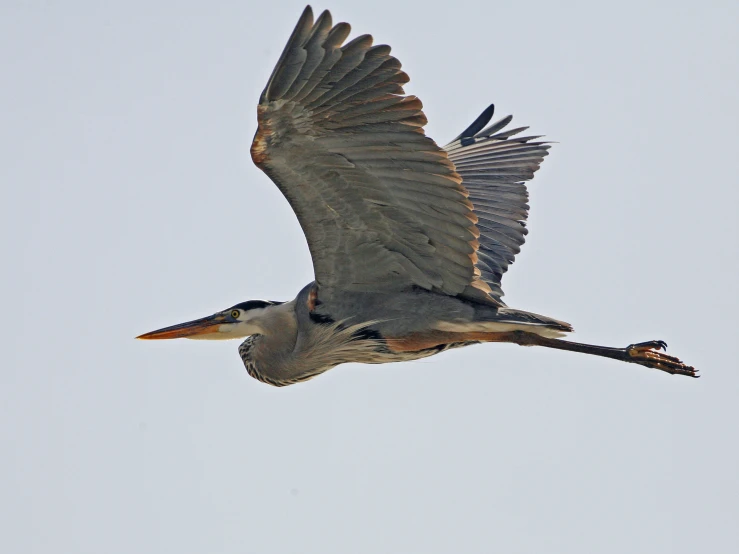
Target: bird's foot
[648,354]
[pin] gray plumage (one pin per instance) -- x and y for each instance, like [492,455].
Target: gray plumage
[379,202]
[409,240]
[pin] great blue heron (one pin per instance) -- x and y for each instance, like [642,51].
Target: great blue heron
[409,240]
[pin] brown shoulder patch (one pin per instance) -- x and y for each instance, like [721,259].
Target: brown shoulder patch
[259,145]
[312,298]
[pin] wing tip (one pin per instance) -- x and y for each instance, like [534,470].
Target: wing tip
[467,136]
[304,25]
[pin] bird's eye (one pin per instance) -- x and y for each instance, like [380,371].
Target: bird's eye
[235,314]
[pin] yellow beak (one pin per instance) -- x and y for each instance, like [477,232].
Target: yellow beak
[204,326]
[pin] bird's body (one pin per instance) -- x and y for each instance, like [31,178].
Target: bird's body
[308,336]
[409,240]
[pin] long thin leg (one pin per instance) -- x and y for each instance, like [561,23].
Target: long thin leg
[643,353]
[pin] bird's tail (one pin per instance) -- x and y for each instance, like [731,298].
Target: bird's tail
[534,323]
[508,319]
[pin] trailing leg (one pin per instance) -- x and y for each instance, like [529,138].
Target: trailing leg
[644,353]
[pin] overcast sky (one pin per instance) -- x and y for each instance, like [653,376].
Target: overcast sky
[129,202]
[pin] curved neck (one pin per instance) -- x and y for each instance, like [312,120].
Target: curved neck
[269,353]
[298,353]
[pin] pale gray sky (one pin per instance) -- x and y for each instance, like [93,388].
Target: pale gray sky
[129,202]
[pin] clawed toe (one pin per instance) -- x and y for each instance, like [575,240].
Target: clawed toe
[648,345]
[647,354]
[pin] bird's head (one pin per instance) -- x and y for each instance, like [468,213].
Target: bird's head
[241,320]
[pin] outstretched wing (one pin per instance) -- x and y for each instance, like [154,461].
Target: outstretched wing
[380,204]
[493,164]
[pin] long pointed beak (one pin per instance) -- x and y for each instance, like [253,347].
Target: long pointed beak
[204,326]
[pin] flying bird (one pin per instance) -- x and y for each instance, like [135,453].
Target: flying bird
[409,240]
